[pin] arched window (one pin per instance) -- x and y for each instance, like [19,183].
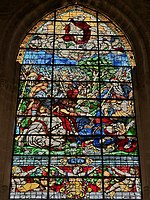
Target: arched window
[75,135]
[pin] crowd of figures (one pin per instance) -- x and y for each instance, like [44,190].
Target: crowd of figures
[79,110]
[78,119]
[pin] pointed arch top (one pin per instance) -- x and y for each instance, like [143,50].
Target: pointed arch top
[61,24]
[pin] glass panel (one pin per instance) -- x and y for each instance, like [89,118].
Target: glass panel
[28,188]
[70,41]
[118,126]
[76,188]
[30,166]
[117,108]
[37,57]
[43,27]
[118,43]
[74,11]
[75,134]
[116,90]
[117,74]
[116,58]
[121,166]
[75,166]
[32,125]
[122,188]
[36,72]
[34,107]
[35,89]
[38,41]
[49,16]
[108,29]
[75,89]
[76,73]
[75,145]
[74,27]
[120,145]
[32,144]
[75,57]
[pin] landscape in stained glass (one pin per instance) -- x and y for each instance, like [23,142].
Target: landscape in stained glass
[75,134]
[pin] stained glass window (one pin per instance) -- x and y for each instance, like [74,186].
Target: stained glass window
[75,135]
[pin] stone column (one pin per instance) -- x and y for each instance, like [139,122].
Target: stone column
[146,193]
[7,125]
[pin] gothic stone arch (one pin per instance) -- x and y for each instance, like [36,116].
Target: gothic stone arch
[22,19]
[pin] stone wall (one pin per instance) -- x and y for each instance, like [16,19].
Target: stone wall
[18,16]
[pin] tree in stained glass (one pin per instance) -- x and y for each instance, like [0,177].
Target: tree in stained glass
[75,135]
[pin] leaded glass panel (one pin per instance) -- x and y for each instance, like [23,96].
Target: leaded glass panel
[75,134]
